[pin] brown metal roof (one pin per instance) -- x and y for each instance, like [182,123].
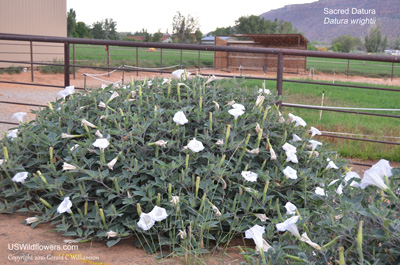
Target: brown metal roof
[275,39]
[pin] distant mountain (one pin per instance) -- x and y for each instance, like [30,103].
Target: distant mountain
[321,20]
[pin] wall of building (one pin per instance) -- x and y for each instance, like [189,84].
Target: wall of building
[32,17]
[257,62]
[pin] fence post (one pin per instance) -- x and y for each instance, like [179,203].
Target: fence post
[199,62]
[108,59]
[348,68]
[73,59]
[31,60]
[181,59]
[137,61]
[123,74]
[66,64]
[392,71]
[279,78]
[161,58]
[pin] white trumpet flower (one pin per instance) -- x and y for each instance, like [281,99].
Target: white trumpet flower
[195,146]
[290,172]
[111,164]
[85,122]
[296,138]
[290,208]
[249,176]
[180,118]
[256,233]
[65,206]
[305,238]
[31,220]
[315,131]
[175,200]
[101,143]
[220,142]
[20,177]
[298,121]
[67,166]
[161,143]
[111,234]
[236,112]
[289,225]
[19,116]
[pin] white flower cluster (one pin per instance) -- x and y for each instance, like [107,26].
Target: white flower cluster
[147,220]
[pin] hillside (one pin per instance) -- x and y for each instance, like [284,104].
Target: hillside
[322,21]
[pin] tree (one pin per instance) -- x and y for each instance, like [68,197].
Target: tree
[82,31]
[106,29]
[157,36]
[373,39]
[336,47]
[358,43]
[71,22]
[285,27]
[97,30]
[198,35]
[258,25]
[274,27]
[223,31]
[251,25]
[395,43]
[110,29]
[184,28]
[346,43]
[384,44]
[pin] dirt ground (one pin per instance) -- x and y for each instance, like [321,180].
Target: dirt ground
[13,232]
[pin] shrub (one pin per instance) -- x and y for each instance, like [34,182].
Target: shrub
[53,69]
[12,70]
[167,162]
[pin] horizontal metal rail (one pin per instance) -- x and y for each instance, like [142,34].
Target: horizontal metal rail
[359,139]
[338,110]
[35,84]
[178,46]
[23,104]
[340,85]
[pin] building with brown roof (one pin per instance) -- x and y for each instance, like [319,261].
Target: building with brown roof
[268,62]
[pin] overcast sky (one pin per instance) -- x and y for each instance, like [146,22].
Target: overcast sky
[154,15]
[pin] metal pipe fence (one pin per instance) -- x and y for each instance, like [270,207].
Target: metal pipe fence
[164,50]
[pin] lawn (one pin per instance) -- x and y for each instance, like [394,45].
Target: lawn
[142,57]
[355,67]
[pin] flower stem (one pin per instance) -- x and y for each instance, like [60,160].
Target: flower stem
[228,130]
[265,191]
[278,210]
[178,88]
[211,122]
[102,158]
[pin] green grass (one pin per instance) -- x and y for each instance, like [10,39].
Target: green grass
[356,67]
[97,55]
[344,122]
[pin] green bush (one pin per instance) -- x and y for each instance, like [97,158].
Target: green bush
[11,70]
[53,69]
[115,163]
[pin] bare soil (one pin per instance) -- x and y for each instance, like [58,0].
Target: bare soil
[12,230]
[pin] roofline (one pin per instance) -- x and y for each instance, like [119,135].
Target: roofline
[272,35]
